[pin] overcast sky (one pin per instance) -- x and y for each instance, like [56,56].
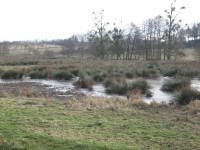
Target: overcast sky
[58,19]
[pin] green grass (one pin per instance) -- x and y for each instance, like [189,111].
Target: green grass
[28,125]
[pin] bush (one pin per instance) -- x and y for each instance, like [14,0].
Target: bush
[146,73]
[100,76]
[185,96]
[194,106]
[119,86]
[75,72]
[21,63]
[38,75]
[116,85]
[116,74]
[175,85]
[170,73]
[49,54]
[181,72]
[82,75]
[12,74]
[62,75]
[39,68]
[140,84]
[129,74]
[188,73]
[143,73]
[84,81]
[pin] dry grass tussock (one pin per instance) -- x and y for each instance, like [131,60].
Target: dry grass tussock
[133,94]
[22,90]
[194,107]
[113,103]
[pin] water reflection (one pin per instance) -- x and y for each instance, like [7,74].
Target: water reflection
[158,95]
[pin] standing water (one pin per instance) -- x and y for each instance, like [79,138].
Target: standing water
[158,94]
[99,89]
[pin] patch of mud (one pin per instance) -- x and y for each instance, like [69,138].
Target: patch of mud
[34,89]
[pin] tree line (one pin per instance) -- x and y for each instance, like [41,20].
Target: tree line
[158,38]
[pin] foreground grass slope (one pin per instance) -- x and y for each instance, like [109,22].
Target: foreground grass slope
[32,123]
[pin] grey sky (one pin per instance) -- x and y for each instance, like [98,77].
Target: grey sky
[52,19]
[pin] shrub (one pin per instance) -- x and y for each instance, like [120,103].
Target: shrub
[129,74]
[100,76]
[38,68]
[75,72]
[188,73]
[143,73]
[62,75]
[38,75]
[194,106]
[119,86]
[21,63]
[174,85]
[84,81]
[149,93]
[181,72]
[49,54]
[185,96]
[63,68]
[116,74]
[116,85]
[133,94]
[146,73]
[140,84]
[12,74]
[170,73]
[82,74]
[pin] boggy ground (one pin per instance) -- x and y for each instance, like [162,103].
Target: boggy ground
[95,123]
[33,89]
[32,117]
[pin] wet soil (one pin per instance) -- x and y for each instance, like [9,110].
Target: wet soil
[33,89]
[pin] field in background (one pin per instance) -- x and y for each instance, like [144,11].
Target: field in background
[186,54]
[190,55]
[37,49]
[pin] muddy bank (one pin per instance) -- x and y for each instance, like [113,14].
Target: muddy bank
[33,89]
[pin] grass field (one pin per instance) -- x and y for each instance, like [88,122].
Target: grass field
[28,123]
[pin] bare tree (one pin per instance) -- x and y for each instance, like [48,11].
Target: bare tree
[83,44]
[4,48]
[133,38]
[69,46]
[194,32]
[99,36]
[173,26]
